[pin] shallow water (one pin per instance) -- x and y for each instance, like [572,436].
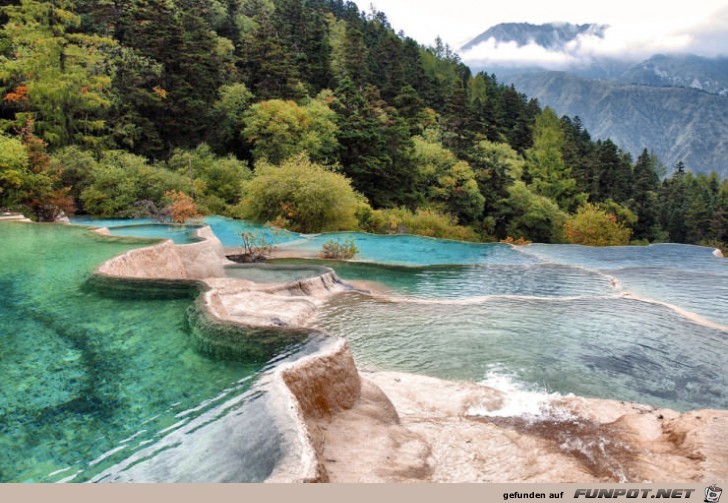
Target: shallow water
[266,273]
[92,376]
[609,348]
[645,324]
[179,234]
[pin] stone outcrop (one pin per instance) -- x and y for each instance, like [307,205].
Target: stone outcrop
[291,304]
[436,435]
[204,259]
[13,217]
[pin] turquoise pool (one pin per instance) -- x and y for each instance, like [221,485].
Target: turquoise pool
[268,273]
[94,375]
[226,229]
[647,324]
[145,228]
[179,234]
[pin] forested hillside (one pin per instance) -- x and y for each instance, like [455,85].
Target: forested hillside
[313,116]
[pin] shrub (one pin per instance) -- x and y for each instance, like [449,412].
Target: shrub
[423,222]
[592,226]
[517,242]
[301,196]
[335,249]
[255,248]
[181,207]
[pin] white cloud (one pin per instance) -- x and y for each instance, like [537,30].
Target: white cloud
[627,41]
[510,54]
[638,28]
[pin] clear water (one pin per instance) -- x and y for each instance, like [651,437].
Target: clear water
[179,234]
[609,348]
[265,273]
[143,228]
[411,250]
[647,324]
[93,376]
[227,230]
[474,281]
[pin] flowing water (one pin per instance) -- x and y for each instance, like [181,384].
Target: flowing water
[645,324]
[99,382]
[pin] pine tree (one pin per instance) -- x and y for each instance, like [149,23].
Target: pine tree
[550,175]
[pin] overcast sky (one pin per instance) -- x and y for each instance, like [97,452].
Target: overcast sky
[638,27]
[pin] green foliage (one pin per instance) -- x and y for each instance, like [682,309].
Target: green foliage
[120,179]
[338,250]
[532,216]
[549,174]
[422,222]
[279,129]
[227,117]
[422,139]
[300,195]
[375,146]
[14,171]
[57,75]
[593,226]
[446,181]
[215,182]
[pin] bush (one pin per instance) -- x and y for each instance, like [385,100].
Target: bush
[423,222]
[301,196]
[120,179]
[255,248]
[517,242]
[592,226]
[181,207]
[532,216]
[335,249]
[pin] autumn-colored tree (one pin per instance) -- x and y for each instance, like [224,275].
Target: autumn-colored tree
[181,207]
[593,226]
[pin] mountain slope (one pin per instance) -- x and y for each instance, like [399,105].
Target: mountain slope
[677,123]
[706,74]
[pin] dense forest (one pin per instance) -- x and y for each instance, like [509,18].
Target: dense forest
[313,116]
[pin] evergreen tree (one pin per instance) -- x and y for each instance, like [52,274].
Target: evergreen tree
[374,147]
[549,174]
[644,200]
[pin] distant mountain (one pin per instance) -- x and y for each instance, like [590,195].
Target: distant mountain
[552,36]
[676,105]
[679,124]
[706,74]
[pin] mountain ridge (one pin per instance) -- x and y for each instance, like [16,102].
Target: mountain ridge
[674,104]
[678,124]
